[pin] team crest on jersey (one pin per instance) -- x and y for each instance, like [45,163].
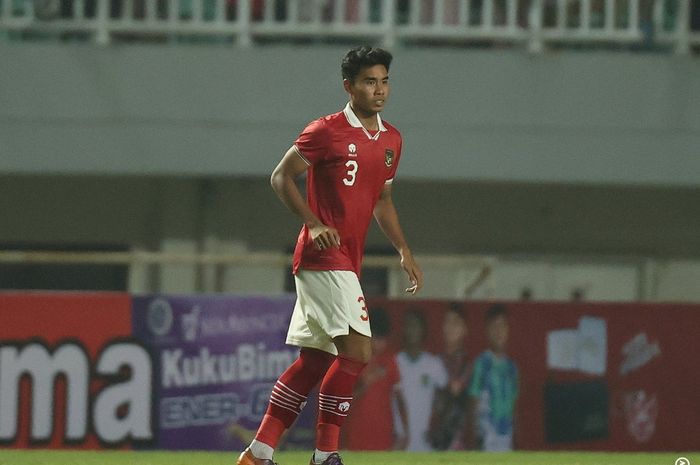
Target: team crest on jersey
[388,157]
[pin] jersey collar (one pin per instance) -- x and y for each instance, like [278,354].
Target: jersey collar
[354,121]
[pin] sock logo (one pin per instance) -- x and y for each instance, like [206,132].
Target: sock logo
[335,405]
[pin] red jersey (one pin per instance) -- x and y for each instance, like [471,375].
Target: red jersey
[348,169]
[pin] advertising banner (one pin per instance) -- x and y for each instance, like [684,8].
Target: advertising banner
[217,358]
[94,370]
[599,376]
[70,375]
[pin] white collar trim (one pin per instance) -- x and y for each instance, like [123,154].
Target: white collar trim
[354,121]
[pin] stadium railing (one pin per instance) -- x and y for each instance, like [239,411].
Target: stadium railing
[534,24]
[467,271]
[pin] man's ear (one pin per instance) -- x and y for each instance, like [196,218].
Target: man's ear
[346,85]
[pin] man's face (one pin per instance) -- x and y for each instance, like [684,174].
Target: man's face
[413,331]
[369,91]
[454,330]
[498,332]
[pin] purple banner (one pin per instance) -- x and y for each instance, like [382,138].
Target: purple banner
[217,358]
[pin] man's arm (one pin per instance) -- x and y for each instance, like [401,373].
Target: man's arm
[471,426]
[401,442]
[283,181]
[388,220]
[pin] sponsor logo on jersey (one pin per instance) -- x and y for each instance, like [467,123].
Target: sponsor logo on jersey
[344,406]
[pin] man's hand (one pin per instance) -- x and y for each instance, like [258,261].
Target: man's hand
[324,236]
[415,275]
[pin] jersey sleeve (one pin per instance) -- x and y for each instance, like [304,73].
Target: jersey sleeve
[313,142]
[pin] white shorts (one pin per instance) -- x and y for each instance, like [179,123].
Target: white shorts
[328,304]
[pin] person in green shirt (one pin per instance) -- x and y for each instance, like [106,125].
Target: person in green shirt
[494,387]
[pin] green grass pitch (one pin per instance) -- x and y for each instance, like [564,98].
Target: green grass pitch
[47,457]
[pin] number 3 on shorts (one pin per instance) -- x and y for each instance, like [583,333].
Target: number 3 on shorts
[365,315]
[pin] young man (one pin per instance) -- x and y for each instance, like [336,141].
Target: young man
[494,387]
[350,158]
[422,376]
[449,424]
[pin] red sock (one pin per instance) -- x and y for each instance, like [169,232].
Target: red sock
[334,401]
[288,395]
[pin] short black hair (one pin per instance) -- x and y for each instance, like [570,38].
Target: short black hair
[496,311]
[379,322]
[363,57]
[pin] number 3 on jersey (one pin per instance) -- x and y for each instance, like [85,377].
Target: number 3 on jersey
[352,172]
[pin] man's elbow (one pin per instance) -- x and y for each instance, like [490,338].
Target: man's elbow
[276,179]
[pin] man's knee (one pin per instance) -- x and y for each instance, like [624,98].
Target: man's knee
[354,346]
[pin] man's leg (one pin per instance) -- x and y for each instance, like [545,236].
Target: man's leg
[335,396]
[288,398]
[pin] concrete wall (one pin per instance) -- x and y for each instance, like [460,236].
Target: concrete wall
[598,236]
[588,155]
[592,117]
[439,217]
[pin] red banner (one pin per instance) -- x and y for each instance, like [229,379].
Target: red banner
[62,358]
[591,376]
[647,373]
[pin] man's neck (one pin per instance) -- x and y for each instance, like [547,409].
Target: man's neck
[413,352]
[499,353]
[368,121]
[453,349]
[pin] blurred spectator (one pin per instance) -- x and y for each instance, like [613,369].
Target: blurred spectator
[494,387]
[449,424]
[47,10]
[376,391]
[695,15]
[422,374]
[209,13]
[402,11]
[351,11]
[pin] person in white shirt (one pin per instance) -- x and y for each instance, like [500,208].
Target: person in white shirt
[421,374]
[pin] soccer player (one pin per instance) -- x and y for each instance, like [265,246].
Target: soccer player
[350,158]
